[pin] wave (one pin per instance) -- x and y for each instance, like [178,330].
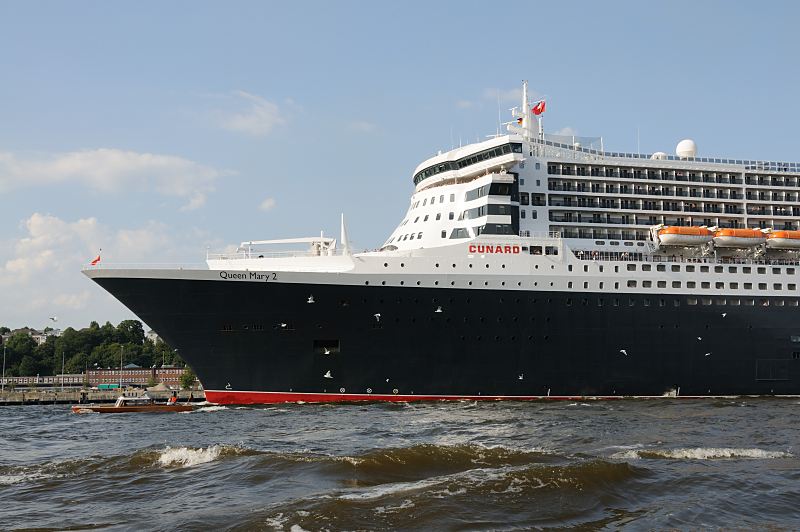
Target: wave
[213,408]
[700,453]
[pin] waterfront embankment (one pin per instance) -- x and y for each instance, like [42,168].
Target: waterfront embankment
[50,396]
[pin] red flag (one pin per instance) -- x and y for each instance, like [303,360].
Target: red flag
[95,261]
[538,108]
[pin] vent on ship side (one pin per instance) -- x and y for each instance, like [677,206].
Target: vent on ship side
[772,369]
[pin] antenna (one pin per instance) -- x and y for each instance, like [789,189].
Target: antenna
[638,150]
[499,118]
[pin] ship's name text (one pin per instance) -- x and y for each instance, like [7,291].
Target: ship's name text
[488,248]
[248,276]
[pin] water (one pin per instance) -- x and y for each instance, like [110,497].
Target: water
[637,464]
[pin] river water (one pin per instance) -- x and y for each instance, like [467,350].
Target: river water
[634,464]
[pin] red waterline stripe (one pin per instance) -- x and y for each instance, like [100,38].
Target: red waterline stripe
[231,397]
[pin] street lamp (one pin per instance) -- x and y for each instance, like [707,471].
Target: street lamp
[3,385]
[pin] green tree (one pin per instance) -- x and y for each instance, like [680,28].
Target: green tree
[187,378]
[130,332]
[29,366]
[4,330]
[18,346]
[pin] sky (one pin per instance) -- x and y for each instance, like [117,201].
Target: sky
[157,130]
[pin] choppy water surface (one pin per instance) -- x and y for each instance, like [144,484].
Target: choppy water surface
[639,464]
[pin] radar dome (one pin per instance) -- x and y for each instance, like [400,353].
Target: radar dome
[686,148]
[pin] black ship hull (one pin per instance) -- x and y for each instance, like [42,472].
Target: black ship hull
[254,342]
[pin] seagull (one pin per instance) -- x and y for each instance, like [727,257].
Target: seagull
[707,354]
[520,376]
[310,299]
[327,351]
[54,318]
[387,380]
[623,352]
[377,316]
[438,309]
[328,375]
[283,325]
[699,338]
[724,314]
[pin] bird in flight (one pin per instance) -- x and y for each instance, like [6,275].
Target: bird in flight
[327,351]
[377,316]
[328,375]
[623,352]
[310,299]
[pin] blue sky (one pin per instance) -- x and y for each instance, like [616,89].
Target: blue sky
[157,129]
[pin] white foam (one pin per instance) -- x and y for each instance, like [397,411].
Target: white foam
[186,457]
[703,453]
[215,408]
[6,480]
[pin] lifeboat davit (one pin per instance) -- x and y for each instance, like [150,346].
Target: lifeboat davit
[738,238]
[784,240]
[684,236]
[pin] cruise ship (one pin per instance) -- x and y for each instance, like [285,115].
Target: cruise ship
[527,266]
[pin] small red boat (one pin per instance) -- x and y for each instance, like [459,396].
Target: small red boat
[124,404]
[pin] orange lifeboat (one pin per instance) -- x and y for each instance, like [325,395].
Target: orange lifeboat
[738,238]
[673,235]
[784,240]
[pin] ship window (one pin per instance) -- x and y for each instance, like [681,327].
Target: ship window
[631,284]
[569,268]
[615,302]
[534,214]
[433,200]
[676,284]
[778,302]
[690,284]
[790,271]
[706,301]
[535,250]
[450,216]
[616,269]
[747,269]
[719,286]
[676,303]
[732,269]
[792,302]
[600,242]
[614,243]
[691,301]
[444,234]
[452,198]
[734,302]
[646,267]
[585,284]
[416,219]
[704,269]
[631,267]
[690,268]
[569,284]
[412,236]
[763,302]
[426,218]
[600,285]
[569,300]
[424,202]
[761,269]
[675,268]
[600,268]
[550,250]
[441,198]
[762,286]
[616,286]
[777,286]
[522,213]
[419,235]
[776,271]
[705,284]
[661,267]
[734,286]
[748,286]
[647,284]
[791,286]
[631,302]
[438,216]
[662,284]
[720,301]
[524,198]
[717,269]
[459,232]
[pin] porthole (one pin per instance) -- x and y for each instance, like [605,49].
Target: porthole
[366,282]
[385,264]
[470,283]
[402,283]
[486,283]
[436,283]
[503,265]
[402,265]
[395,391]
[437,264]
[452,283]
[418,283]
[487,265]
[369,390]
[454,265]
[503,283]
[383,283]
[341,390]
[470,265]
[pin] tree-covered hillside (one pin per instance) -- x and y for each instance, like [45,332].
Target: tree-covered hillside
[83,349]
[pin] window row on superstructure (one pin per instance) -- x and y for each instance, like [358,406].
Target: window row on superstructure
[445,166]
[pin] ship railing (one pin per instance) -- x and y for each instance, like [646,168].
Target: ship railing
[576,151]
[254,254]
[624,256]
[147,265]
[553,235]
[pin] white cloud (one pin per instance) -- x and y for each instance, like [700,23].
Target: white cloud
[40,270]
[363,126]
[566,131]
[465,104]
[112,170]
[258,119]
[267,204]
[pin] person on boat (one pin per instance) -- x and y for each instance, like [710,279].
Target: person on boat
[174,399]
